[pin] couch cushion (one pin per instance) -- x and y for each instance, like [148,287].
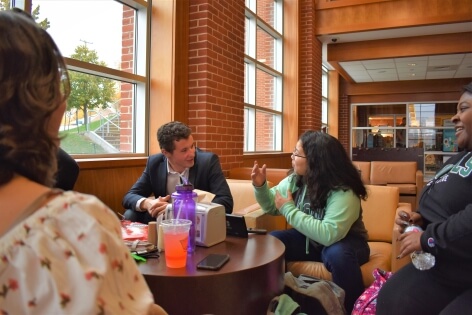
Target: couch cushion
[259,219]
[388,172]
[242,192]
[364,168]
[379,211]
[380,257]
[244,200]
[405,189]
[311,268]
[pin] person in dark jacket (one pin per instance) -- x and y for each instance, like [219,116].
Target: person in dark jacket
[445,214]
[67,171]
[178,161]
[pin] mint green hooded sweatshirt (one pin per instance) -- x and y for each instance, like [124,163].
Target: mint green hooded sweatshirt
[342,215]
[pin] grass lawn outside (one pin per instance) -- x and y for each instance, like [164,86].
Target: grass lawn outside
[75,142]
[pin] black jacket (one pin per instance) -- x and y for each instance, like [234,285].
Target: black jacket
[446,208]
[205,174]
[67,171]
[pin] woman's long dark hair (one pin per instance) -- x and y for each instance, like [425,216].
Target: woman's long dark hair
[329,168]
[33,84]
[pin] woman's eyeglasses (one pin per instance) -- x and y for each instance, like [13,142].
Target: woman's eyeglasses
[295,153]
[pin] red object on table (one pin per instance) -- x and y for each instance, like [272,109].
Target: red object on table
[131,231]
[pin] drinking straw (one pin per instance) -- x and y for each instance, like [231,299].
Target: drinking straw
[180,208]
[184,180]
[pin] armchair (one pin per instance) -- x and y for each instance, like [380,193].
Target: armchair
[401,174]
[379,212]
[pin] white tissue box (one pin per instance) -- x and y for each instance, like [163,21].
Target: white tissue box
[210,225]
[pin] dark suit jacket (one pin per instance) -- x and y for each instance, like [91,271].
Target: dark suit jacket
[206,174]
[67,171]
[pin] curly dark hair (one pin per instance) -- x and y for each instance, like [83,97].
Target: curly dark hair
[329,168]
[33,84]
[174,130]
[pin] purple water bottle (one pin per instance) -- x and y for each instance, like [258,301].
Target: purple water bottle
[184,202]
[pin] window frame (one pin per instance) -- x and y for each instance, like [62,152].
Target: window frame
[251,109]
[140,82]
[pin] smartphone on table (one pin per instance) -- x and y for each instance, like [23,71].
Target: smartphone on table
[213,262]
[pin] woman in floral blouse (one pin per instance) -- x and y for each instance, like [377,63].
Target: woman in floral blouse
[60,252]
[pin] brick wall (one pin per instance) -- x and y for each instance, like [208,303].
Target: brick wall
[344,116]
[310,70]
[216,77]
[126,89]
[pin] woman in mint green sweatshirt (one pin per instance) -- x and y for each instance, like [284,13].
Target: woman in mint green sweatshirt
[321,200]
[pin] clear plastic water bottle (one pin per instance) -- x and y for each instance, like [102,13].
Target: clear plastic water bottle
[420,259]
[184,203]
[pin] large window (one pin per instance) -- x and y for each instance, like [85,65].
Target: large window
[426,126]
[263,76]
[107,62]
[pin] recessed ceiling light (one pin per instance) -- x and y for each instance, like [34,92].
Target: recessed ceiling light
[412,74]
[442,67]
[412,64]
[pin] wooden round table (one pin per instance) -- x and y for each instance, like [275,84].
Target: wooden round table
[253,275]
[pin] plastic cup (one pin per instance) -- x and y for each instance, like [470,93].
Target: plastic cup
[176,241]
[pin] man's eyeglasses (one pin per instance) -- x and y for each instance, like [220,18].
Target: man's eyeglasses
[295,153]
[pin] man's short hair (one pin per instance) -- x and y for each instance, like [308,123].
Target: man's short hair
[170,132]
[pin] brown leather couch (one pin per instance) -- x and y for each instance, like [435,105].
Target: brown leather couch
[401,174]
[245,203]
[379,212]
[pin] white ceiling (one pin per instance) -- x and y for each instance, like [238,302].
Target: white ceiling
[410,68]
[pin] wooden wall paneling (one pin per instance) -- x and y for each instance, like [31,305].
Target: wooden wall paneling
[390,14]
[415,97]
[333,101]
[168,66]
[397,48]
[329,4]
[417,87]
[109,180]
[401,47]
[291,75]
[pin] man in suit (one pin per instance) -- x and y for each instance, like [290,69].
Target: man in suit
[179,160]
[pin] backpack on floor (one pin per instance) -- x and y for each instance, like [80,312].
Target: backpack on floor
[366,304]
[314,295]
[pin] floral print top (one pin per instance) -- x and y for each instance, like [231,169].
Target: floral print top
[68,257]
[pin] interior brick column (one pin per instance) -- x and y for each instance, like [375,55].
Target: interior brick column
[310,70]
[216,78]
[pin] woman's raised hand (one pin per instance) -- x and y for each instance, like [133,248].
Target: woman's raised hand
[258,175]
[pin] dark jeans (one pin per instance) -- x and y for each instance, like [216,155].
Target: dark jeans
[411,291]
[342,259]
[136,216]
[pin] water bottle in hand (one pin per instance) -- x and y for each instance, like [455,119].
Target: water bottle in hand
[421,260]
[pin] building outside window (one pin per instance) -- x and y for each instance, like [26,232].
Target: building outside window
[263,86]
[107,60]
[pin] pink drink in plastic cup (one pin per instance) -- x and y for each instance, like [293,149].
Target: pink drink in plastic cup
[176,233]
